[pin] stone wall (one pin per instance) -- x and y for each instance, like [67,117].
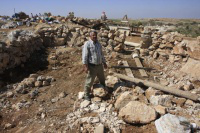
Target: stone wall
[18,48]
[21,44]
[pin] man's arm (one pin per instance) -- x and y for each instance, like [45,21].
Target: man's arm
[85,57]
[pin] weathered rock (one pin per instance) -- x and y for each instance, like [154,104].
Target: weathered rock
[138,90]
[96,99]
[80,95]
[111,81]
[59,41]
[152,92]
[85,103]
[165,100]
[193,49]
[33,76]
[10,94]
[192,68]
[62,95]
[137,113]
[124,99]
[172,124]
[179,101]
[38,83]
[188,87]
[189,102]
[99,90]
[160,109]
[45,83]
[99,129]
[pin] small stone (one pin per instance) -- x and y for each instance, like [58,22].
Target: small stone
[10,94]
[96,99]
[188,87]
[94,107]
[45,83]
[85,103]
[8,126]
[179,101]
[62,95]
[38,83]
[43,115]
[164,100]
[160,109]
[189,102]
[54,99]
[41,78]
[80,95]
[102,109]
[33,76]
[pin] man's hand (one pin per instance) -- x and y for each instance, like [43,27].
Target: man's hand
[105,66]
[85,68]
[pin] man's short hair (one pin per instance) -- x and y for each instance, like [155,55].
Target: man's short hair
[93,31]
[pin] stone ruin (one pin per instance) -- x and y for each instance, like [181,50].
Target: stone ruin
[175,55]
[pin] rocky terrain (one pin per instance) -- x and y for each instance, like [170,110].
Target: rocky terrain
[41,81]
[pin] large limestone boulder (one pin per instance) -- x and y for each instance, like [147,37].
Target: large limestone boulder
[124,99]
[192,68]
[172,124]
[137,113]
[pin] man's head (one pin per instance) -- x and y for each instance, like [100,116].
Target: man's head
[93,35]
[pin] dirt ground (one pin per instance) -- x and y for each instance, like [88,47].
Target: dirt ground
[69,75]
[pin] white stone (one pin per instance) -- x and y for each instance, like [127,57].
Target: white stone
[99,128]
[80,95]
[10,94]
[85,103]
[171,124]
[94,107]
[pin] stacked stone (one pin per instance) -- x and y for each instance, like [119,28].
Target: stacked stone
[163,44]
[53,36]
[113,40]
[34,80]
[20,45]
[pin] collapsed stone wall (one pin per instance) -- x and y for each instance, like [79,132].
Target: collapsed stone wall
[17,49]
[21,44]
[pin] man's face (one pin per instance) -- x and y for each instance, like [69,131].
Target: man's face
[93,36]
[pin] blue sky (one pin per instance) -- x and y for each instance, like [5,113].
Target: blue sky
[114,8]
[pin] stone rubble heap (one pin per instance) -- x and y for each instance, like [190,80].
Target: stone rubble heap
[134,105]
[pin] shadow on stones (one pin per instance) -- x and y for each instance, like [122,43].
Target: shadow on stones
[37,62]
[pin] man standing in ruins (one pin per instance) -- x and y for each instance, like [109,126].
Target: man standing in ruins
[93,63]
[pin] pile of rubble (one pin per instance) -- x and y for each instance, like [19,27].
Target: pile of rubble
[132,104]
